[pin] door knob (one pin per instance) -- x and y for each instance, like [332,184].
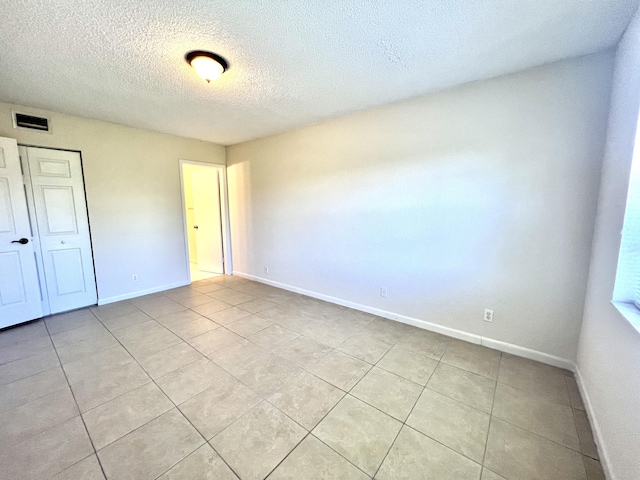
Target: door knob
[23,241]
[196,227]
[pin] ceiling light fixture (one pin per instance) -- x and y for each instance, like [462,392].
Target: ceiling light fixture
[208,65]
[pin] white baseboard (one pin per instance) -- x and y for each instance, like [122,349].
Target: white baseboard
[434,327]
[525,352]
[140,293]
[595,427]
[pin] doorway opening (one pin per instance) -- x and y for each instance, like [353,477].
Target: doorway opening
[205,219]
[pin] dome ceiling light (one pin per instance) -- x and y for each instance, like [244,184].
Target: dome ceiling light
[207,64]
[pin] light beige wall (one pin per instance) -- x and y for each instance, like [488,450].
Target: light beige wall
[482,196]
[133,193]
[609,352]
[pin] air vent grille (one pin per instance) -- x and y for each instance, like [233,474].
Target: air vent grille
[32,122]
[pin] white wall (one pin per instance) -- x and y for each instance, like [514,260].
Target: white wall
[132,180]
[483,196]
[609,351]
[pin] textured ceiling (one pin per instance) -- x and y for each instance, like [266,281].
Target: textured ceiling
[292,62]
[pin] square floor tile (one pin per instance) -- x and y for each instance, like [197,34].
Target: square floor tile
[85,348]
[593,468]
[69,321]
[516,453]
[410,365]
[365,347]
[87,469]
[194,300]
[48,453]
[340,369]
[429,344]
[256,305]
[96,390]
[31,388]
[30,419]
[169,360]
[100,362]
[466,387]
[416,456]
[273,337]
[113,310]
[306,399]
[288,318]
[329,333]
[574,393]
[257,442]
[473,358]
[157,310]
[215,340]
[535,378]
[195,328]
[587,444]
[217,407]
[10,352]
[25,367]
[550,420]
[178,318]
[458,426]
[313,460]
[238,355]
[228,315]
[152,449]
[303,351]
[231,297]
[211,307]
[267,375]
[358,432]
[125,321]
[390,393]
[23,333]
[489,475]
[146,338]
[203,464]
[248,325]
[78,334]
[191,379]
[114,419]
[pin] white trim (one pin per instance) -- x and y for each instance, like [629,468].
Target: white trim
[603,453]
[140,293]
[525,352]
[434,327]
[226,236]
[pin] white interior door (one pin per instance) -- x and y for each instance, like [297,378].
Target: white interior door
[63,227]
[206,209]
[20,299]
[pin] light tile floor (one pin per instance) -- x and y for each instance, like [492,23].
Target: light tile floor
[229,379]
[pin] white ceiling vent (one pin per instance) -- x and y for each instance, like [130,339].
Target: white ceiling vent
[31,122]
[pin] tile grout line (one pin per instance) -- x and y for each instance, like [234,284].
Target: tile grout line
[95,452]
[404,423]
[493,401]
[174,406]
[304,369]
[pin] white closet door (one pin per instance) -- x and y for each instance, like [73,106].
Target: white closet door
[63,227]
[20,299]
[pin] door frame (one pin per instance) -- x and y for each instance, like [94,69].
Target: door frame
[224,218]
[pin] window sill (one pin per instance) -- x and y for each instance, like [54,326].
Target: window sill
[630,312]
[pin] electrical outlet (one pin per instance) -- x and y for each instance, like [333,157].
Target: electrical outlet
[383,292]
[134,277]
[266,269]
[488,315]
